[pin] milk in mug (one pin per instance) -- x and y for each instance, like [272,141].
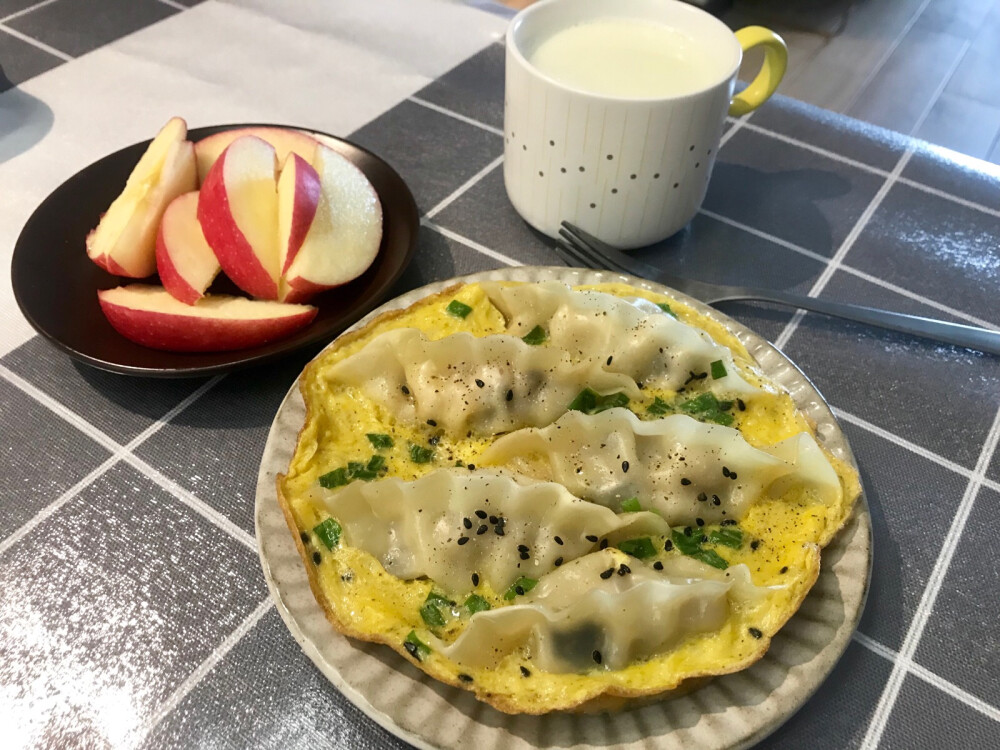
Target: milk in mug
[629,58]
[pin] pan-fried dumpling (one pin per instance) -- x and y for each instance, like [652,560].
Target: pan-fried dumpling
[450,524]
[637,339]
[677,466]
[486,385]
[577,619]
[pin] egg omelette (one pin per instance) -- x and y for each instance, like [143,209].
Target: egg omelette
[591,580]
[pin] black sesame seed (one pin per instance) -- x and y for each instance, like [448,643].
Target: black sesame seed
[755,632]
[305,537]
[558,540]
[658,565]
[728,522]
[755,544]
[464,677]
[559,561]
[716,500]
[475,579]
[463,540]
[668,545]
[783,570]
[604,544]
[498,529]
[700,521]
[405,390]
[317,558]
[591,538]
[597,656]
[519,590]
[525,556]
[608,573]
[482,530]
[624,570]
[685,481]
[522,548]
[725,471]
[687,531]
[610,358]
[494,519]
[481,513]
[510,395]
[432,423]
[434,440]
[732,475]
[525,672]
[471,467]
[740,405]
[702,497]
[625,467]
[467,523]
[480,383]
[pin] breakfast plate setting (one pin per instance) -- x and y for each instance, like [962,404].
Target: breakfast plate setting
[315,439]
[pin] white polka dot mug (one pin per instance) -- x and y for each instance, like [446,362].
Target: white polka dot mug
[617,154]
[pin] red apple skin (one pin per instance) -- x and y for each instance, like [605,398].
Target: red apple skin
[111,267]
[307,192]
[182,333]
[170,277]
[224,236]
[299,290]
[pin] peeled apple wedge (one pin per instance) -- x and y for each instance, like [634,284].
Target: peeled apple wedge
[238,212]
[344,236]
[285,142]
[150,316]
[124,242]
[186,264]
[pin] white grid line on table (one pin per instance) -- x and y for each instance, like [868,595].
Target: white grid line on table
[471,244]
[743,122]
[34,42]
[851,270]
[25,11]
[193,679]
[912,447]
[173,4]
[461,189]
[738,125]
[455,115]
[845,247]
[914,633]
[932,679]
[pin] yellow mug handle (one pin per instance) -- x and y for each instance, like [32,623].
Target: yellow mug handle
[771,72]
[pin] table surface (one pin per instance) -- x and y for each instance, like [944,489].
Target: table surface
[133,611]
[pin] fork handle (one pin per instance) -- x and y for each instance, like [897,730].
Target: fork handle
[971,337]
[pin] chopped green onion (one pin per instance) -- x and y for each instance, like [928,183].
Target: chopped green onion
[416,647]
[590,401]
[420,455]
[458,309]
[728,536]
[666,308]
[335,478]
[521,586]
[710,557]
[687,545]
[718,369]
[631,505]
[659,407]
[430,614]
[535,336]
[328,533]
[353,467]
[641,547]
[459,464]
[379,441]
[476,603]
[708,408]
[376,463]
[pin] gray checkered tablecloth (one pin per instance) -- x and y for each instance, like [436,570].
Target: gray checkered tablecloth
[133,611]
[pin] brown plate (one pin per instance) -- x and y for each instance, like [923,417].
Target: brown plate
[56,284]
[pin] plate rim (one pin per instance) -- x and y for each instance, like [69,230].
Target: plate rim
[407,213]
[860,518]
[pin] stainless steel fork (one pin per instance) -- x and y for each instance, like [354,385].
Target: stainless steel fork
[577,247]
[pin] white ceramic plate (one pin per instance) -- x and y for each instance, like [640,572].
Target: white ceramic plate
[729,712]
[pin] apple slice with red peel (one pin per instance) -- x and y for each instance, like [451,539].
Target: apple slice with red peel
[150,316]
[124,241]
[284,140]
[184,261]
[238,211]
[345,233]
[299,191]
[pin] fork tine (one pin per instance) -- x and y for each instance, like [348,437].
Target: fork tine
[609,254]
[592,256]
[567,253]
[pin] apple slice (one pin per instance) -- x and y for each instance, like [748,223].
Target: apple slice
[345,233]
[285,142]
[149,316]
[298,196]
[184,261]
[238,211]
[124,241]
